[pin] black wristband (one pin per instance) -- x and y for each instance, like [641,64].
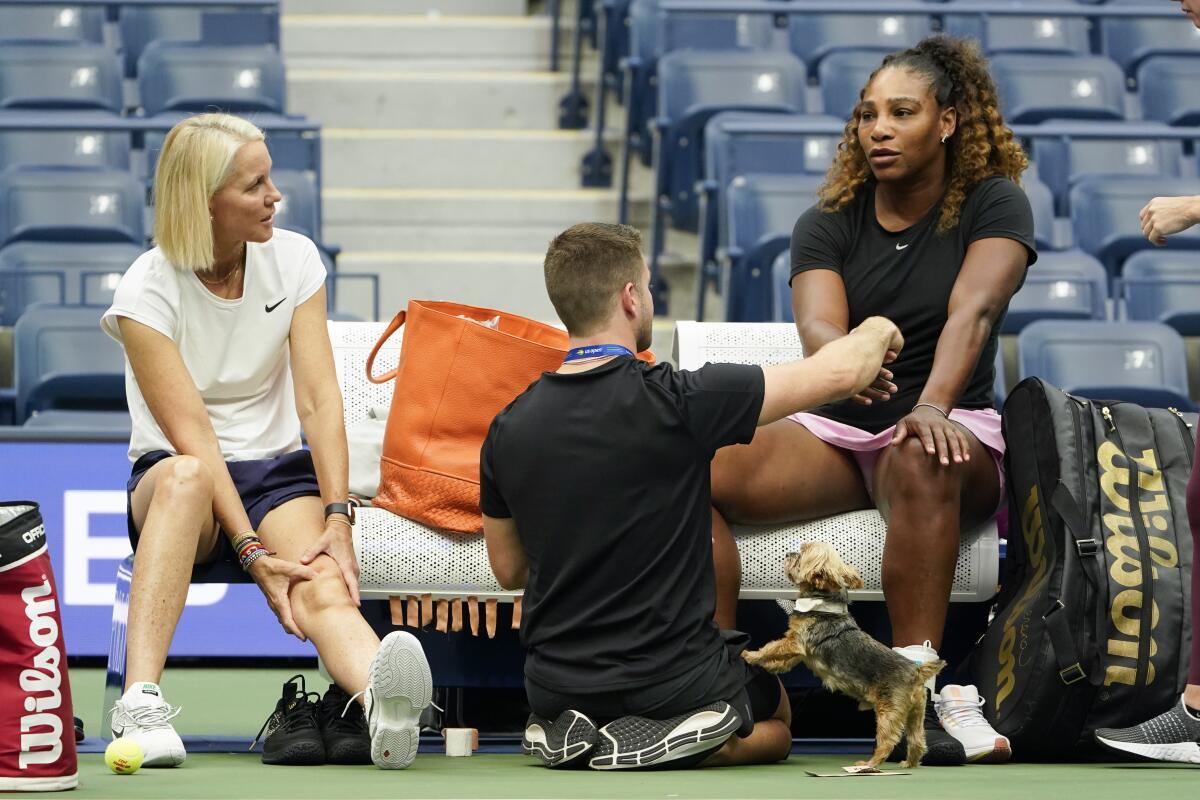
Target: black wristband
[346,509]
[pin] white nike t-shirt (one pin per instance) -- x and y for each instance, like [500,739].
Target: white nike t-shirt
[236,350]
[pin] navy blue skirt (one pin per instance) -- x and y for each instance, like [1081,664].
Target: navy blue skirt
[264,484]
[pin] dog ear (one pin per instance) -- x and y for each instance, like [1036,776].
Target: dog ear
[792,568]
[825,570]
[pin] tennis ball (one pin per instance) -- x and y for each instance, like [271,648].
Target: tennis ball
[123,756]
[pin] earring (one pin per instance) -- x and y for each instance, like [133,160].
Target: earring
[944,138]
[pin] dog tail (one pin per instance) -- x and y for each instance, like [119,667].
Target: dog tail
[927,671]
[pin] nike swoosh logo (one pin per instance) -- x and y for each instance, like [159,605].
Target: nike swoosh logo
[902,246]
[272,308]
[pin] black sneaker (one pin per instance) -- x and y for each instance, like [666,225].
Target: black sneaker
[561,744]
[1173,735]
[686,740]
[941,749]
[79,734]
[343,728]
[293,736]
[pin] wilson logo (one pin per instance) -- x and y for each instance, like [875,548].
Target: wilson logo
[1034,535]
[1125,645]
[41,730]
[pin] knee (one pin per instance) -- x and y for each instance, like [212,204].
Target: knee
[912,473]
[186,480]
[326,591]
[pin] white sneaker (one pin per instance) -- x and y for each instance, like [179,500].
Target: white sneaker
[399,688]
[144,716]
[958,709]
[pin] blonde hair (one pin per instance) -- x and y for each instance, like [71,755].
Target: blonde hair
[195,163]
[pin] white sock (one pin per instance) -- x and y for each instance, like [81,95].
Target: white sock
[921,654]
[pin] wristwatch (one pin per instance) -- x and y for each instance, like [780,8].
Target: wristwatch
[340,508]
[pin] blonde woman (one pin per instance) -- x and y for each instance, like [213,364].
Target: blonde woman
[228,358]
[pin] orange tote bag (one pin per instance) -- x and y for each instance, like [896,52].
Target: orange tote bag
[459,367]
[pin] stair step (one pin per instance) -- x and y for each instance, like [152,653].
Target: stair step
[433,7]
[437,220]
[369,98]
[454,159]
[459,41]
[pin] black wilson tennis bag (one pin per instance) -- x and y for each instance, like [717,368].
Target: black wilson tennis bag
[1092,626]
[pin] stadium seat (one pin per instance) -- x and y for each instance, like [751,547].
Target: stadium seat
[70,205]
[1041,201]
[1131,40]
[762,211]
[745,142]
[1012,34]
[1163,286]
[1141,362]
[842,76]
[60,76]
[62,360]
[192,76]
[781,299]
[692,87]
[142,25]
[51,22]
[82,422]
[77,148]
[654,33]
[1104,215]
[1168,89]
[1068,285]
[814,36]
[999,382]
[70,273]
[1035,88]
[299,210]
[1061,164]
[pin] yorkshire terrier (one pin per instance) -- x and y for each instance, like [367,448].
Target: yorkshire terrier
[824,637]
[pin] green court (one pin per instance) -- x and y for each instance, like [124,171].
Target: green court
[231,702]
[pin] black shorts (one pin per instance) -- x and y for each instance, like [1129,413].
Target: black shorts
[264,484]
[752,691]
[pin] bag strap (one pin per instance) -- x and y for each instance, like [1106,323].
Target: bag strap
[1086,546]
[395,325]
[1070,669]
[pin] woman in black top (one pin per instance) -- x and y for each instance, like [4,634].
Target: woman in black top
[920,220]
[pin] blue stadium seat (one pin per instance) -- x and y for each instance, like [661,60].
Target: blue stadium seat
[70,273]
[62,360]
[300,209]
[82,422]
[1011,34]
[1168,89]
[1104,214]
[781,297]
[1041,201]
[999,382]
[192,76]
[1036,88]
[653,34]
[692,87]
[1131,40]
[745,142]
[814,36]
[762,211]
[1062,164]
[60,76]
[77,148]
[51,22]
[70,205]
[1163,286]
[842,76]
[1141,362]
[1068,285]
[142,25]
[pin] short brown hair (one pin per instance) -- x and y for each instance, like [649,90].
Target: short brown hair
[586,266]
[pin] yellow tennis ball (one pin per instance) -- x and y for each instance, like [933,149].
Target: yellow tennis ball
[123,756]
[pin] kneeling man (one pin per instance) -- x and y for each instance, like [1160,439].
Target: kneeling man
[596,501]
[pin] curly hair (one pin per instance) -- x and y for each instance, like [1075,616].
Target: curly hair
[982,145]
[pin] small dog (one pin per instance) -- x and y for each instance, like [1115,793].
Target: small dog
[824,637]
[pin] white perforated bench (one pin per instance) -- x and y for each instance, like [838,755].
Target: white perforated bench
[398,557]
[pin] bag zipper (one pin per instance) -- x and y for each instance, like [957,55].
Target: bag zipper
[1186,433]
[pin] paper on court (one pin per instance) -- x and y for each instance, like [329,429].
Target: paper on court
[850,772]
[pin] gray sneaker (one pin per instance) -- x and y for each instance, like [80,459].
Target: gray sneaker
[1173,735]
[686,740]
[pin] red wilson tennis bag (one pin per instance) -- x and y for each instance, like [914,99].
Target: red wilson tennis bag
[1093,622]
[37,733]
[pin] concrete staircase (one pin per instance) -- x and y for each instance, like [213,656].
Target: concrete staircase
[444,168]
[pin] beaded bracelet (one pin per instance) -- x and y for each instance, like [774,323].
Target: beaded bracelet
[244,537]
[253,556]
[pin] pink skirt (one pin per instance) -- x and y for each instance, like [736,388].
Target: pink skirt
[866,447]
